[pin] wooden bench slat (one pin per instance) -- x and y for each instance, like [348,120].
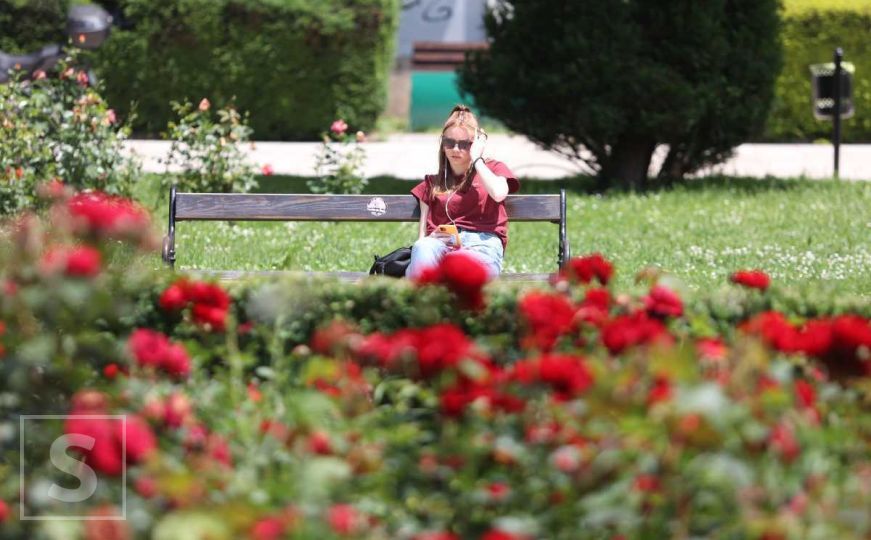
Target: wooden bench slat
[306,207]
[419,46]
[293,207]
[229,275]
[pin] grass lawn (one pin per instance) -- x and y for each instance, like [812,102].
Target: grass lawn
[801,232]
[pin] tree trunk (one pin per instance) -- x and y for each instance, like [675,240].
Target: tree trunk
[628,163]
[673,167]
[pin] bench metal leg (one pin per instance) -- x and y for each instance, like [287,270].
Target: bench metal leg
[564,249]
[169,239]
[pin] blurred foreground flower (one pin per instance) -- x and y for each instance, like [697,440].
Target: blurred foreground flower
[754,279]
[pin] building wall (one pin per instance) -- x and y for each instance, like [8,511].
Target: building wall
[449,21]
[439,20]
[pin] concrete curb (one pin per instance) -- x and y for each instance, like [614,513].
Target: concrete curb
[413,155]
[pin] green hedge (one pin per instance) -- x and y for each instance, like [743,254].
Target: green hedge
[811,31]
[28,25]
[294,65]
[297,64]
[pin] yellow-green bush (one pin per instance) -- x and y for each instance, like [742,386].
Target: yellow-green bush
[811,31]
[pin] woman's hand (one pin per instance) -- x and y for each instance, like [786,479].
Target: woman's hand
[450,240]
[477,149]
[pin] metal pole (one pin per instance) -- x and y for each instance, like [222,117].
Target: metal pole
[839,54]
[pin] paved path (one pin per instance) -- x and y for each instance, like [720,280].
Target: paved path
[411,155]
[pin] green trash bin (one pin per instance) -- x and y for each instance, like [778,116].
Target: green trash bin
[433,95]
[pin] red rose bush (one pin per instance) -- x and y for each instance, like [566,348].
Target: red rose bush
[444,409]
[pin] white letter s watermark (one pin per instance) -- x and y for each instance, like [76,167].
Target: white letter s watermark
[86,475]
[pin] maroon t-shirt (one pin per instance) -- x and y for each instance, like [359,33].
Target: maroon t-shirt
[473,210]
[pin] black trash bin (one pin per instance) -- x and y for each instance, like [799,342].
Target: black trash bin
[823,89]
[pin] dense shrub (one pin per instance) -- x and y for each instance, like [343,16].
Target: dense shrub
[294,65]
[811,31]
[28,25]
[57,126]
[607,82]
[308,409]
[339,164]
[206,152]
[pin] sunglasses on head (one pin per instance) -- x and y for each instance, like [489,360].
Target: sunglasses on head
[462,144]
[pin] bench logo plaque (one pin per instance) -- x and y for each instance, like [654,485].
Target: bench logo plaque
[377,206]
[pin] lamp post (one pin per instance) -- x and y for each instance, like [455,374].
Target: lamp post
[839,55]
[832,92]
[87,26]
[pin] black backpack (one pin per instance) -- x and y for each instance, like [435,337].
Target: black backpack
[393,264]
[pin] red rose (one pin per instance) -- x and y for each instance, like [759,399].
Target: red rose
[386,349]
[805,393]
[435,535]
[176,361]
[711,348]
[630,330]
[267,170]
[105,215]
[498,534]
[148,347]
[548,317]
[456,398]
[89,401]
[463,274]
[218,449]
[339,127]
[774,329]
[647,483]
[140,439]
[153,350]
[53,189]
[270,528]
[110,371]
[594,308]
[783,442]
[328,340]
[174,297]
[660,391]
[566,458]
[319,443]
[4,511]
[568,375]
[105,523]
[208,294]
[498,491]
[814,338]
[146,487]
[586,269]
[850,335]
[177,410]
[440,347]
[663,302]
[344,519]
[102,434]
[754,279]
[78,261]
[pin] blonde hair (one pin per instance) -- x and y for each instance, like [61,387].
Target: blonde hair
[461,116]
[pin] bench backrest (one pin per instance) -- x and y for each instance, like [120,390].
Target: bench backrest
[441,56]
[288,207]
[305,207]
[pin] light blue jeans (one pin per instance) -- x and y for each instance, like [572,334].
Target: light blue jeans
[428,252]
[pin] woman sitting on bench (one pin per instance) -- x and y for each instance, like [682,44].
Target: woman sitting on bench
[462,207]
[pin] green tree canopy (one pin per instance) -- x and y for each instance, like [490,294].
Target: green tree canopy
[606,82]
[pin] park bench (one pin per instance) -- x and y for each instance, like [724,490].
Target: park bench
[363,208]
[442,56]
